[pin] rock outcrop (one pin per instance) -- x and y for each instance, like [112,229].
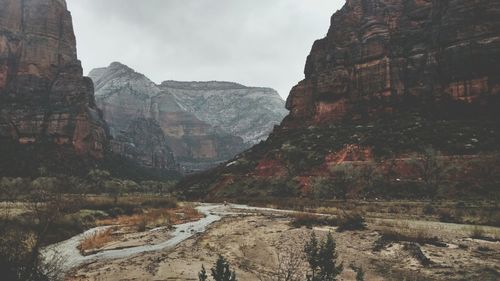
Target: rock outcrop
[204,123]
[44,98]
[391,81]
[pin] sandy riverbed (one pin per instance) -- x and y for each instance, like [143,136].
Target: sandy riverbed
[250,239]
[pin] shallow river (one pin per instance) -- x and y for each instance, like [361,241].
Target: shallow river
[67,254]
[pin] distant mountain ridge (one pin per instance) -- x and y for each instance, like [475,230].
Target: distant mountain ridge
[247,112]
[204,123]
[202,85]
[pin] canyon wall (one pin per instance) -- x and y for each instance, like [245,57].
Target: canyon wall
[396,86]
[381,50]
[44,97]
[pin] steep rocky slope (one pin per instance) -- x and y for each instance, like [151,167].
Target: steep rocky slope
[204,123]
[145,143]
[400,99]
[44,98]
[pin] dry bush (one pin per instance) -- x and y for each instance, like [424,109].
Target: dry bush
[492,218]
[156,218]
[142,225]
[419,236]
[309,220]
[96,240]
[448,216]
[327,210]
[392,223]
[127,204]
[190,212]
[478,232]
[429,210]
[351,222]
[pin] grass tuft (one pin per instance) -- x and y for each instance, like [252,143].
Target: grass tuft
[95,241]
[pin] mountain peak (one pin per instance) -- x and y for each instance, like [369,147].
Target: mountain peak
[119,65]
[118,74]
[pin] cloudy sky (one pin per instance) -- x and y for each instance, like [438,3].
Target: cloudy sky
[253,42]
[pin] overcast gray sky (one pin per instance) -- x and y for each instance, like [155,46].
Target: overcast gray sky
[253,42]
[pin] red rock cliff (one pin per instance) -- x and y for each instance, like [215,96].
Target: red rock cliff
[378,50]
[43,94]
[392,80]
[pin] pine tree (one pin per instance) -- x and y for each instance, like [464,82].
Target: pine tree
[360,274]
[221,270]
[327,260]
[322,259]
[202,276]
[311,250]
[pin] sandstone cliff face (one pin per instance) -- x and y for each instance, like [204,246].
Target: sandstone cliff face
[377,50]
[392,80]
[43,94]
[192,116]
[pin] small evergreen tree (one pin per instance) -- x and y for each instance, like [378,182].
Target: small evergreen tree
[322,258]
[311,250]
[360,274]
[221,270]
[202,276]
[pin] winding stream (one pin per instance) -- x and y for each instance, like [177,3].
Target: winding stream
[68,256]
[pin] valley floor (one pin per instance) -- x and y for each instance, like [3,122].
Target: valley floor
[251,239]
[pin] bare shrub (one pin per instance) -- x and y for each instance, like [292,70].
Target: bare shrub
[289,266]
[431,169]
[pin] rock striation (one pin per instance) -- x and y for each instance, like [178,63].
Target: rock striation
[391,81]
[44,97]
[204,123]
[384,50]
[248,112]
